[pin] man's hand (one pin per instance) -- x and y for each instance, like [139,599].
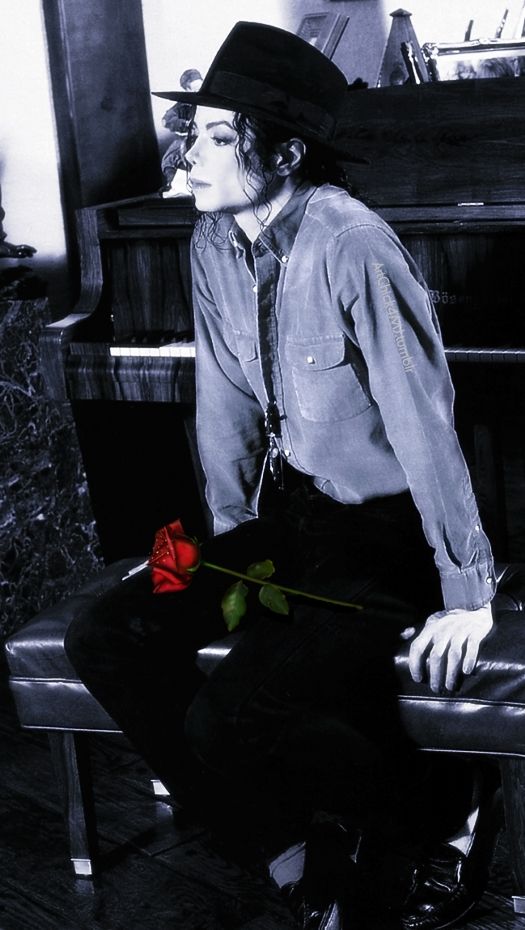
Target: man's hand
[447,645]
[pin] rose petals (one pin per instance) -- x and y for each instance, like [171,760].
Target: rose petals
[173,560]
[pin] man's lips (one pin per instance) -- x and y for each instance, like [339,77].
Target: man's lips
[196,184]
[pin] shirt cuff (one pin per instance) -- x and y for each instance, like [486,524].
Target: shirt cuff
[469,588]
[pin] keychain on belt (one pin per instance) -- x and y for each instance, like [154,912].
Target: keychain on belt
[272,426]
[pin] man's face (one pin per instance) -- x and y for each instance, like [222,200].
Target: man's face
[217,178]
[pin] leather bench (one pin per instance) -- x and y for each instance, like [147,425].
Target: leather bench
[485,717]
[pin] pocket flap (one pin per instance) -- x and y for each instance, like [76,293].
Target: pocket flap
[317,354]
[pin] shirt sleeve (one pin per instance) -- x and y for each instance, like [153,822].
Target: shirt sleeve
[397,331]
[230,423]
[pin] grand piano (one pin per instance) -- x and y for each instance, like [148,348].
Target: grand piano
[446,170]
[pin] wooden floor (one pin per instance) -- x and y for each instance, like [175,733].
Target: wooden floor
[159,870]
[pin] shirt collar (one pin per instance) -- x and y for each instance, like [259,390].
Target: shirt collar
[280,235]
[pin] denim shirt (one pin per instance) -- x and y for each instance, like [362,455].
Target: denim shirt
[327,315]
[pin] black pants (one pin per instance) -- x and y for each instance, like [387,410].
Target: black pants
[303,713]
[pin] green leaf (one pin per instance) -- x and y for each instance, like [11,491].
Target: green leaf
[233,605]
[274,599]
[261,570]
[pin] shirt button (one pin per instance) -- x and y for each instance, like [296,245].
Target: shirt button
[254,288]
[310,359]
[489,580]
[287,453]
[284,259]
[477,528]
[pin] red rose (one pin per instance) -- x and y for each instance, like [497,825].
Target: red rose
[173,560]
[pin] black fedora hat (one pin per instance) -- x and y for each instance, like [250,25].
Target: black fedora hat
[267,72]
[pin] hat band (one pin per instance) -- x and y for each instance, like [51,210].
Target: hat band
[276,102]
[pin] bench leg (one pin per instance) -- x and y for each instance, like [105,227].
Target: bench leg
[513,784]
[71,760]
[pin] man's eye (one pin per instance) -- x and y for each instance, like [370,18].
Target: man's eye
[222,140]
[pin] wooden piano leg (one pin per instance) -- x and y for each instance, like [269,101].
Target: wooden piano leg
[513,783]
[70,753]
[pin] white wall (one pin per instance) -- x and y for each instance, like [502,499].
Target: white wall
[28,154]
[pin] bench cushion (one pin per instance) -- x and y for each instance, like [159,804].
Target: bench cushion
[486,714]
[44,684]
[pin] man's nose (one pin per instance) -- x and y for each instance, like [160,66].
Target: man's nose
[191,154]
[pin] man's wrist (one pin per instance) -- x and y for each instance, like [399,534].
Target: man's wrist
[469,588]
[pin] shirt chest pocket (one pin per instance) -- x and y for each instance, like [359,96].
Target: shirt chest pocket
[326,384]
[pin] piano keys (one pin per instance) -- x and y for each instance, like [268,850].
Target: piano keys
[504,355]
[153,345]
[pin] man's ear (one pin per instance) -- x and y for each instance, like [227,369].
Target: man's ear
[289,156]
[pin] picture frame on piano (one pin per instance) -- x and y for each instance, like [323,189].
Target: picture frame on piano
[324,30]
[474,59]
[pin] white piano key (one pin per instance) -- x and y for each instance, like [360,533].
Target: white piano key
[169,350]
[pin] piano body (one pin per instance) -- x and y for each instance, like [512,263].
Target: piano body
[136,295]
[446,170]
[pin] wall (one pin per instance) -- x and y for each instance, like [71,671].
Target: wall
[28,154]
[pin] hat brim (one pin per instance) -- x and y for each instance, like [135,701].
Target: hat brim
[197,98]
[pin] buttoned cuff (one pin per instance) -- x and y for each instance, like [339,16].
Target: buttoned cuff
[469,588]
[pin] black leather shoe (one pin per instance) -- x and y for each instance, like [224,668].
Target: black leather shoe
[321,899]
[311,916]
[448,884]
[445,887]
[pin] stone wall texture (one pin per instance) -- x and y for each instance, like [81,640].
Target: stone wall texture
[48,537]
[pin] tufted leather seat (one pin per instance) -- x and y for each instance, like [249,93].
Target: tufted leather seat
[485,716]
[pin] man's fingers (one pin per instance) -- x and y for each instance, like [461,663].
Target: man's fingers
[447,659]
[417,655]
[437,664]
[471,655]
[454,664]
